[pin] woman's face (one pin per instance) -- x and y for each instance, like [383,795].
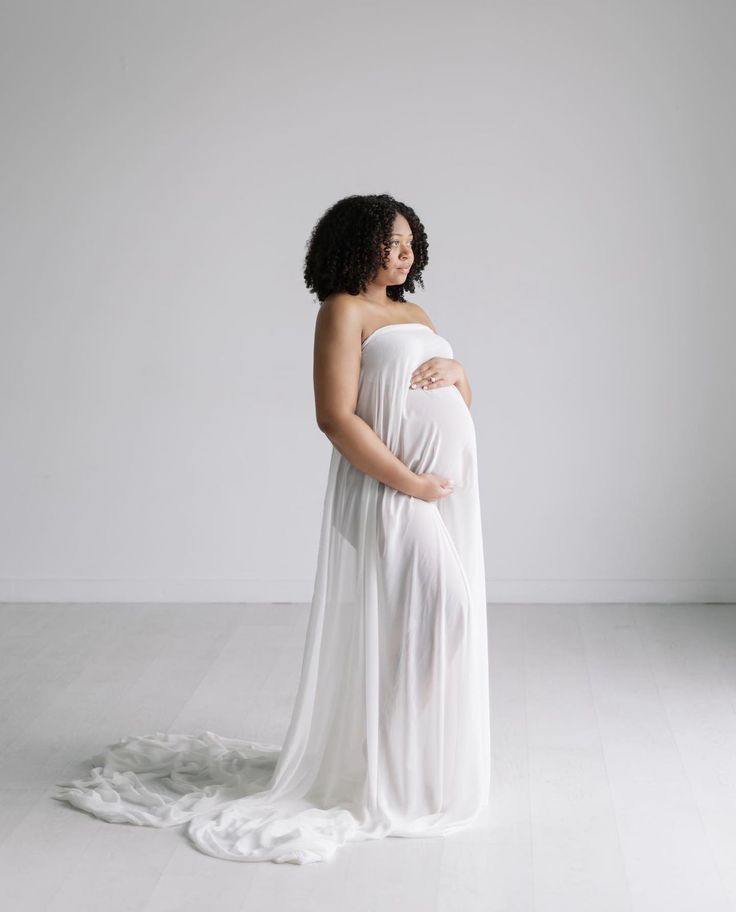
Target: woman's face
[401,255]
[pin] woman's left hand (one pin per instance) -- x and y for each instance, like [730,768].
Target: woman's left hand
[445,371]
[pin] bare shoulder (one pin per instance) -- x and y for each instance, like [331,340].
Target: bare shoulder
[340,312]
[420,315]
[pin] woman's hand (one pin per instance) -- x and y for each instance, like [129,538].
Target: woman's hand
[437,372]
[432,487]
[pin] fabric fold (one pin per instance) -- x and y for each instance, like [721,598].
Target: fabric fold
[390,732]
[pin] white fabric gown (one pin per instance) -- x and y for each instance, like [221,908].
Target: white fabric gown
[390,732]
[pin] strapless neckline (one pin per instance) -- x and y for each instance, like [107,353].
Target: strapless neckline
[393,326]
[390,728]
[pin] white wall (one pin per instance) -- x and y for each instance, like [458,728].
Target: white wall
[162,166]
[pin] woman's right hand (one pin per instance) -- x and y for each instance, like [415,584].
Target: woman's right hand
[432,487]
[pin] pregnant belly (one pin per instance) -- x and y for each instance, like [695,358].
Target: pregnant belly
[438,434]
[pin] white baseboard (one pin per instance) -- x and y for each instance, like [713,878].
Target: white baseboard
[554,591]
[600,591]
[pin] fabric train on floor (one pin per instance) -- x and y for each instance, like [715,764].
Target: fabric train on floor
[389,734]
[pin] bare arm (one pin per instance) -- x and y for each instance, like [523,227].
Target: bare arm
[462,383]
[464,386]
[337,341]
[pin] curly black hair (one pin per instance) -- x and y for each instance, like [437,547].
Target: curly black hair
[351,241]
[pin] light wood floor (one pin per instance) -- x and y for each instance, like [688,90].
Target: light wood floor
[614,751]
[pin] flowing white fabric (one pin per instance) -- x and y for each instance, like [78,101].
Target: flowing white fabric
[390,732]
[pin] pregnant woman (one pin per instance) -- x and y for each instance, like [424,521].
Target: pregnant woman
[389,734]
